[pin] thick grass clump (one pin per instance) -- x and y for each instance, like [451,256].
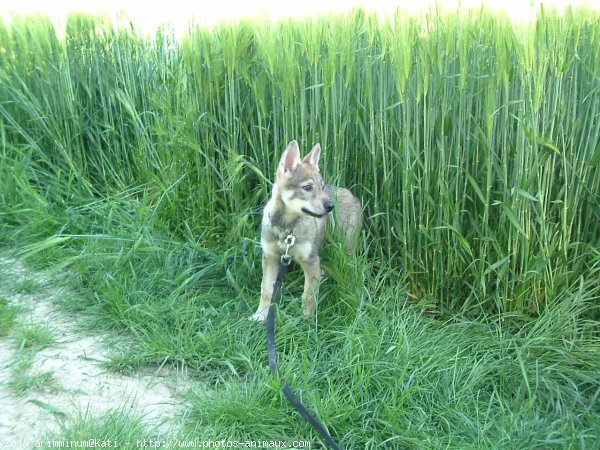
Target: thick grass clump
[467,317]
[116,429]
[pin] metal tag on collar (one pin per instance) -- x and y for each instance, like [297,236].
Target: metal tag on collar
[289,242]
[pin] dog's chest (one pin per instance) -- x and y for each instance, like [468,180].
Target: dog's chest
[308,233]
[302,249]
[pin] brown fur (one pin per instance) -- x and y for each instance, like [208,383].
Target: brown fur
[300,205]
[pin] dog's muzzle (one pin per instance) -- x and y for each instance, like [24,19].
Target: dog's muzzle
[327,206]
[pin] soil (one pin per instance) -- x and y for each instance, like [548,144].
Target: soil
[82,386]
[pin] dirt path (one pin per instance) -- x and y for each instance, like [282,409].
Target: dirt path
[81,386]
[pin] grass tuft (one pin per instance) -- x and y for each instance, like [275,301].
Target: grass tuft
[120,429]
[8,315]
[33,338]
[25,378]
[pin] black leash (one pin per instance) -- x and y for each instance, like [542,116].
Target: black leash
[272,350]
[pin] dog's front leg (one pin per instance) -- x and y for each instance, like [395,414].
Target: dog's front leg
[270,265]
[312,277]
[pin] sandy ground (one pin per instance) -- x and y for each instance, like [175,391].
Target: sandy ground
[83,387]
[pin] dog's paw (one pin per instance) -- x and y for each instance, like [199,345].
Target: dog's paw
[259,316]
[309,313]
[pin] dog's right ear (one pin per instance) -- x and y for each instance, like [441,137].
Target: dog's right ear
[290,159]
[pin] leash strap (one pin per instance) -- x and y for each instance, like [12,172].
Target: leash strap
[272,351]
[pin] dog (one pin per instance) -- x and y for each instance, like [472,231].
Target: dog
[300,206]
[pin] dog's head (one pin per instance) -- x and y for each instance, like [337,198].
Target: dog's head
[300,185]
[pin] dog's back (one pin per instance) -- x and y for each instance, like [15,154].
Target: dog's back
[347,213]
[300,206]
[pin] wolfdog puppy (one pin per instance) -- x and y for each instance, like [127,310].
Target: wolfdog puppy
[299,206]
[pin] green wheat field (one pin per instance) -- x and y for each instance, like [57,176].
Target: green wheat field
[468,318]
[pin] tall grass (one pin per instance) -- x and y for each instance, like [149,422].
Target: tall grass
[473,143]
[141,164]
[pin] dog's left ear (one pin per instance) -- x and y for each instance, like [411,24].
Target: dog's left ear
[314,155]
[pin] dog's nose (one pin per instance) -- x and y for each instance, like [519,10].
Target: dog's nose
[328,205]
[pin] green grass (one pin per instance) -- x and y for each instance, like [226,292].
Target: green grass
[26,339]
[471,142]
[29,340]
[8,315]
[33,338]
[468,317]
[402,381]
[25,379]
[26,286]
[125,361]
[114,429]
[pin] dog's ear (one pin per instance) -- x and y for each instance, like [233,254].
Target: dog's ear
[290,159]
[313,156]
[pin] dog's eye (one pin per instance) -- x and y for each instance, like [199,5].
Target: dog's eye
[308,188]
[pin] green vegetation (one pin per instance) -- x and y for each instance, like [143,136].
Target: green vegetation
[29,340]
[25,377]
[468,318]
[34,338]
[115,429]
[26,286]
[8,314]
